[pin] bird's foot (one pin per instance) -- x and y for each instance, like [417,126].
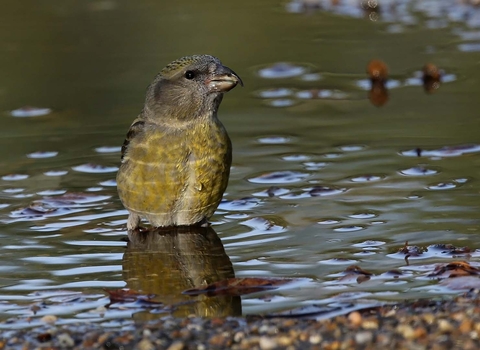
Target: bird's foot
[204,223]
[137,230]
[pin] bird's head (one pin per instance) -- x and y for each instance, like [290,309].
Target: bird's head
[189,88]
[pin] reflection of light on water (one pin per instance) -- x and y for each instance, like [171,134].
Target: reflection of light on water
[30,112]
[42,154]
[279,177]
[108,149]
[94,168]
[406,15]
[15,177]
[281,70]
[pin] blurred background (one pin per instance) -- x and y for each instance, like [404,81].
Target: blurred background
[333,166]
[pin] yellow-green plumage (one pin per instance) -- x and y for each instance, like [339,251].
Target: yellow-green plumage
[176,157]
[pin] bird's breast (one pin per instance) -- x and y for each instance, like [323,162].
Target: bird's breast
[176,177]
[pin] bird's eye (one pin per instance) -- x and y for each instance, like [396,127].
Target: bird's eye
[189,75]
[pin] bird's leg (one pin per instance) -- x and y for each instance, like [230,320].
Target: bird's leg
[133,222]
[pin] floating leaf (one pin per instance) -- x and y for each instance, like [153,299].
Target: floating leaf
[355,273]
[128,296]
[238,286]
[454,269]
[452,250]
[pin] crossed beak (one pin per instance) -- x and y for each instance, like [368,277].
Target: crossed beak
[224,79]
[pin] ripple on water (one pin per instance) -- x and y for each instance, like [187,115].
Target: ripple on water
[329,222]
[108,149]
[236,216]
[275,93]
[338,261]
[274,140]
[57,226]
[296,157]
[84,270]
[246,203]
[352,148]
[109,183]
[311,77]
[366,84]
[13,190]
[15,177]
[94,168]
[261,225]
[320,191]
[51,192]
[282,70]
[442,186]
[349,228]
[417,79]
[279,177]
[98,230]
[363,215]
[314,165]
[434,251]
[261,231]
[29,111]
[94,189]
[332,155]
[281,102]
[56,206]
[97,243]
[368,244]
[322,94]
[39,155]
[272,191]
[447,151]
[368,178]
[419,171]
[55,173]
[469,47]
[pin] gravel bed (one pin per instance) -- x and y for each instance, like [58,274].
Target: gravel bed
[422,324]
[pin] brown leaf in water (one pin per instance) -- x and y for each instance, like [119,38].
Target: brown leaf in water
[377,70]
[451,249]
[238,286]
[357,270]
[454,269]
[431,77]
[411,250]
[128,295]
[355,273]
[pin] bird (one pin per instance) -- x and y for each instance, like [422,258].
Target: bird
[176,157]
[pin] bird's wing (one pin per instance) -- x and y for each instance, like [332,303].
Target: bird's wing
[137,127]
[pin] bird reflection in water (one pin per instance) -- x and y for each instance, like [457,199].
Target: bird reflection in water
[167,261]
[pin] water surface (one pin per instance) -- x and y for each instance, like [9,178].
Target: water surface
[321,178]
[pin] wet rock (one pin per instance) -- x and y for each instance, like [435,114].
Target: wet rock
[267,343]
[65,340]
[50,319]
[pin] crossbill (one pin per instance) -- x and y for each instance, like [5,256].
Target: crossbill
[176,157]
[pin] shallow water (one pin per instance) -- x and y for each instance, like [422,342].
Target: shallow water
[321,178]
